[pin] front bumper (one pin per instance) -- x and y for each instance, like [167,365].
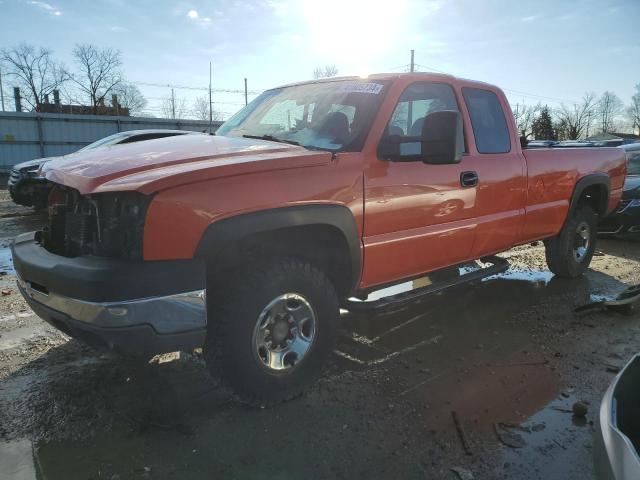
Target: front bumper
[625,220]
[141,307]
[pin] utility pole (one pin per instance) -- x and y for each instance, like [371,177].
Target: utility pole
[210,104]
[173,104]
[245,91]
[1,91]
[410,112]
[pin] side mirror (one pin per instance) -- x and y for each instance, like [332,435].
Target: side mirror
[441,142]
[442,138]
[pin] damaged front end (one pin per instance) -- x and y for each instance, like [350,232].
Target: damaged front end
[103,224]
[85,274]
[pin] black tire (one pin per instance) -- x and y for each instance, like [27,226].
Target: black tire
[564,256]
[234,309]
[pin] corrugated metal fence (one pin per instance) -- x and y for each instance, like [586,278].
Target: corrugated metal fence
[25,136]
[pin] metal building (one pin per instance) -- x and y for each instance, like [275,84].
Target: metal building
[25,136]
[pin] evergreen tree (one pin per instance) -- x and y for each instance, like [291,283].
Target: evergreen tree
[542,126]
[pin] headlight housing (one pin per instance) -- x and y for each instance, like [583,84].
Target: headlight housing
[104,224]
[31,172]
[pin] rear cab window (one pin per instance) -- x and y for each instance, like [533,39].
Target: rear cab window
[488,121]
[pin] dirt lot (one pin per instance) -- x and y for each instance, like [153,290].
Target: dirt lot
[507,355]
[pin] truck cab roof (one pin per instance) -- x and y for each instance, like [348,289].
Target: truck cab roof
[415,76]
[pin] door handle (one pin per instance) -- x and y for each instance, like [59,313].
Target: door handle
[469,179]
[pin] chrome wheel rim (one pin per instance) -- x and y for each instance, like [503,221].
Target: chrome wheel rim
[582,240]
[284,332]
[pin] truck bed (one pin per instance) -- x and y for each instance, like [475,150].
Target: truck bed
[552,171]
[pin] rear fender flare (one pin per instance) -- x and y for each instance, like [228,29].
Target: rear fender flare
[600,179]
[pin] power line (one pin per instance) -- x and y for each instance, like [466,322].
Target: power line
[404,67]
[534,95]
[432,69]
[189,87]
[517,92]
[215,103]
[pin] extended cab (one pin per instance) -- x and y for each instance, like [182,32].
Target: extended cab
[248,242]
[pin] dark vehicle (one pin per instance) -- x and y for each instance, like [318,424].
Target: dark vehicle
[617,439]
[562,144]
[573,144]
[27,187]
[541,143]
[626,218]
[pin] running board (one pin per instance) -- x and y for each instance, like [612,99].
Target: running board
[498,265]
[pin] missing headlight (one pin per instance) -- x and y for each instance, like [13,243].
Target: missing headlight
[104,224]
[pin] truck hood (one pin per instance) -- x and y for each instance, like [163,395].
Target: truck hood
[158,164]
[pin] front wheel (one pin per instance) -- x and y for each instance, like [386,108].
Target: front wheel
[569,254]
[271,330]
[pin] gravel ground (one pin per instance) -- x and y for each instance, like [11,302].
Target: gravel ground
[505,358]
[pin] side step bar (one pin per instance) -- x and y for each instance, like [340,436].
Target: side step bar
[498,265]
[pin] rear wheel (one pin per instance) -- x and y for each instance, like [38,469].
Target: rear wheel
[271,330]
[569,254]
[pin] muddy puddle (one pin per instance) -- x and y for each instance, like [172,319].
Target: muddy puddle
[19,336]
[6,263]
[17,460]
[544,445]
[464,350]
[26,221]
[21,221]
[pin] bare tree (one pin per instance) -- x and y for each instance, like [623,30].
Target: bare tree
[574,120]
[609,107]
[201,110]
[172,107]
[34,71]
[633,111]
[524,116]
[99,72]
[130,96]
[325,72]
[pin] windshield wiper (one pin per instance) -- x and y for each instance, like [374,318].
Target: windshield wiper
[271,138]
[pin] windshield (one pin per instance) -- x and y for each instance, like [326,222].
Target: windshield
[633,167]
[327,116]
[103,142]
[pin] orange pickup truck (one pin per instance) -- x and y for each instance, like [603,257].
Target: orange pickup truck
[247,243]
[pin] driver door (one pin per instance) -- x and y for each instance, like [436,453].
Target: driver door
[418,217]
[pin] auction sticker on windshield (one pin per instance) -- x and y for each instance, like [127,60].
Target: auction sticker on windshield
[372,88]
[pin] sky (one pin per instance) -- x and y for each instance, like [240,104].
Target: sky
[544,50]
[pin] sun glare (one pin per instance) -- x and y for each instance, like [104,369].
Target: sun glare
[352,29]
